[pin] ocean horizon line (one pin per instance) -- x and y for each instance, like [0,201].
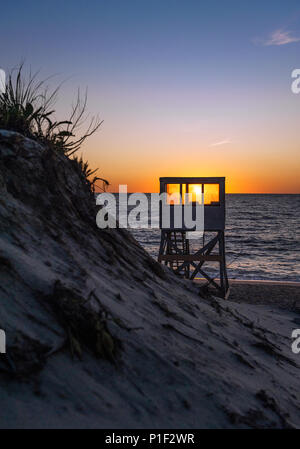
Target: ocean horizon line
[227,193]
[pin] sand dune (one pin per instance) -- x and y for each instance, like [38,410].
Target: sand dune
[161,356]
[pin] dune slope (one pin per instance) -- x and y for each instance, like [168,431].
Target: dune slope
[100,335]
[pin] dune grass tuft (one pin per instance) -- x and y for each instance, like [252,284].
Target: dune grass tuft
[27,107]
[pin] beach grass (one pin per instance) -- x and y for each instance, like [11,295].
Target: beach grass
[27,106]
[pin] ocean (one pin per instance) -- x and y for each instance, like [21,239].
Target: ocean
[262,237]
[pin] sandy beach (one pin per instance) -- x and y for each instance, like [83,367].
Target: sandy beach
[278,294]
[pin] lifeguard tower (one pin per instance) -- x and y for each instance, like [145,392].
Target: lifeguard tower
[174,248]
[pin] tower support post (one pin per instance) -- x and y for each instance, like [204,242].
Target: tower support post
[175,253]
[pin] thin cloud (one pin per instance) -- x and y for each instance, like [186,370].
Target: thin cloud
[220,142]
[279,37]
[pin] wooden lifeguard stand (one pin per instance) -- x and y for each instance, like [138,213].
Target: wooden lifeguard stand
[174,248]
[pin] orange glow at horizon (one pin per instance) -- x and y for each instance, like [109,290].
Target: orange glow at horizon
[234,183]
[247,170]
[246,185]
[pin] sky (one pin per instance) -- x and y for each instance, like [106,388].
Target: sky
[185,88]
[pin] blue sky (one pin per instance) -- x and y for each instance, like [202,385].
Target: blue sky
[170,77]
